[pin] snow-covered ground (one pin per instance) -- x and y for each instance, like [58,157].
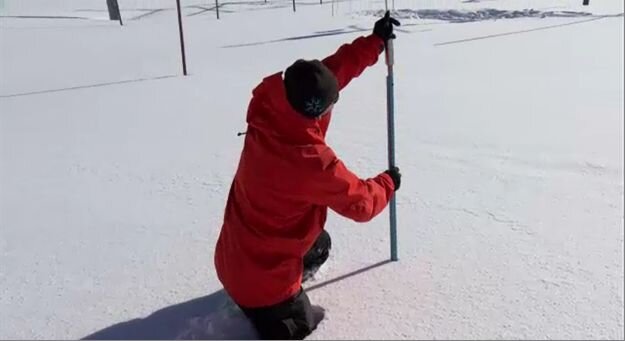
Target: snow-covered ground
[114,169]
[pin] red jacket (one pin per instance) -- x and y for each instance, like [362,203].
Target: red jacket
[286,179]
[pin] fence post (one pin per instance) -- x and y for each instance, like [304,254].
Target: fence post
[184,58]
[114,13]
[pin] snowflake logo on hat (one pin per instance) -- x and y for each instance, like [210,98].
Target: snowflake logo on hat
[313,106]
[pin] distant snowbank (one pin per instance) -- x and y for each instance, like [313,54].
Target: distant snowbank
[461,16]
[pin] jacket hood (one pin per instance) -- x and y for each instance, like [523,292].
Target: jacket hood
[271,113]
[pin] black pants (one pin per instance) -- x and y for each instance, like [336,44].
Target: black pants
[295,318]
[317,255]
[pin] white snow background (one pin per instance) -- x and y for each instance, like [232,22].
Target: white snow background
[114,168]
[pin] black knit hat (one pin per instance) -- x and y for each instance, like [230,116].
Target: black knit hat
[310,87]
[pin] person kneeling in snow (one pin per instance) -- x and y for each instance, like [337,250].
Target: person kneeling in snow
[272,238]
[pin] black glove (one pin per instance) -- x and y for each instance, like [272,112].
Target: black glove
[395,175]
[384,27]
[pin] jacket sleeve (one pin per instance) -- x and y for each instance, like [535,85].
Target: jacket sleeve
[350,60]
[344,192]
